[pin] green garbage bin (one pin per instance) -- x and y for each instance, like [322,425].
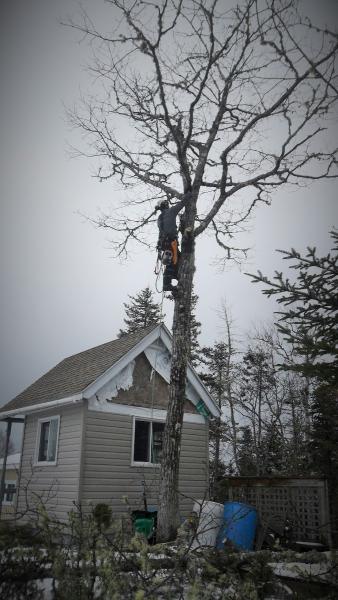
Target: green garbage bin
[145,525]
[145,521]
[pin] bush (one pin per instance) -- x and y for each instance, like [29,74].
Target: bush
[90,557]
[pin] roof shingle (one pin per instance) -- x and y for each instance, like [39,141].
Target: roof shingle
[73,374]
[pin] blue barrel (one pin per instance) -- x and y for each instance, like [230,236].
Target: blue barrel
[239,526]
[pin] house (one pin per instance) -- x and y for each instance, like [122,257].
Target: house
[94,423]
[10,485]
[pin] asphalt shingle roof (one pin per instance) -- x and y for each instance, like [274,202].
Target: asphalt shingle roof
[73,374]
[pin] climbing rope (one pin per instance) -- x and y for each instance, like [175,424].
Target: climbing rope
[161,308]
[158,272]
[153,374]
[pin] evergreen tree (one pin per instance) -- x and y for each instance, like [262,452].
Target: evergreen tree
[274,451]
[246,455]
[141,312]
[323,445]
[215,359]
[310,325]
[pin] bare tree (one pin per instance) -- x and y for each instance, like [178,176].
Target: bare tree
[218,109]
[271,405]
[230,395]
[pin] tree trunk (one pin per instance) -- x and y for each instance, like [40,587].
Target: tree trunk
[229,389]
[168,509]
[259,436]
[216,459]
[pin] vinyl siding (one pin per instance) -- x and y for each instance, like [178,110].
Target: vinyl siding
[61,481]
[108,475]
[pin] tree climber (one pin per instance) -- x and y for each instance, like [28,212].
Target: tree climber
[167,245]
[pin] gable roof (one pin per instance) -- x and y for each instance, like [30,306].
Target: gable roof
[73,374]
[71,379]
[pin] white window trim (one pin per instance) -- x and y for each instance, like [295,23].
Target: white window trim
[8,502]
[143,464]
[46,463]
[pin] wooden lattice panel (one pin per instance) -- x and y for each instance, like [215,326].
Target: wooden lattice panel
[300,503]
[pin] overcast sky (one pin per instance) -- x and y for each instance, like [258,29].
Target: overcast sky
[61,290]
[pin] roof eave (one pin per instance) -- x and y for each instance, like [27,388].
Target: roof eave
[23,410]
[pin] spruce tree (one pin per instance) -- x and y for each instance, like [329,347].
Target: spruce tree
[247,460]
[141,312]
[310,319]
[273,448]
[323,446]
[215,359]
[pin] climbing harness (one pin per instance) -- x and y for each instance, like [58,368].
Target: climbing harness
[166,268]
[167,264]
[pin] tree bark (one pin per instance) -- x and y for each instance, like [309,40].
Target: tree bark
[229,388]
[168,509]
[215,470]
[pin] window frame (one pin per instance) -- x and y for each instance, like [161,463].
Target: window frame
[135,463]
[43,463]
[7,483]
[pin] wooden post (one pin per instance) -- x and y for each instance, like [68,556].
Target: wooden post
[4,465]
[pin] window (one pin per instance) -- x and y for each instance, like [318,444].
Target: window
[9,492]
[48,433]
[148,442]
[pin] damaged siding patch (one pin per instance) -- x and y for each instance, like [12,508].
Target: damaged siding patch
[122,381]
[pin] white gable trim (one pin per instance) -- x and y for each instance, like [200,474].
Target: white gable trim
[195,389]
[139,411]
[123,362]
